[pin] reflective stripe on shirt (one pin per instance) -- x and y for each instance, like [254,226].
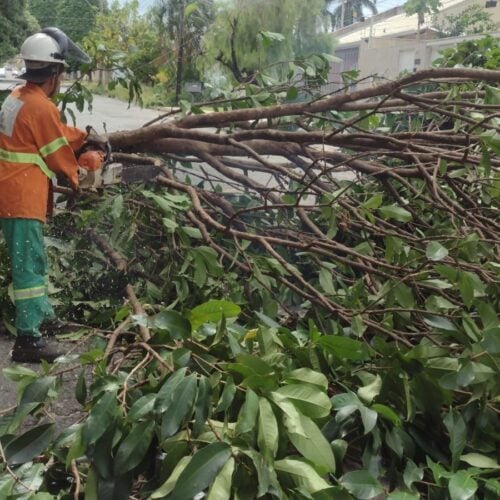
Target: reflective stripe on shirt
[27,158]
[53,146]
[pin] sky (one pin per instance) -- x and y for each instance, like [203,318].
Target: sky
[382,5]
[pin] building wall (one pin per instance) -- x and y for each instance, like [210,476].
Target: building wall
[387,56]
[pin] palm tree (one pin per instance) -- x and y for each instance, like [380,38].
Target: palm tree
[346,12]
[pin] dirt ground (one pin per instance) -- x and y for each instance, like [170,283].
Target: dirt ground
[65,410]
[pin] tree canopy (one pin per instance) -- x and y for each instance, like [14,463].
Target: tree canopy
[249,37]
[16,23]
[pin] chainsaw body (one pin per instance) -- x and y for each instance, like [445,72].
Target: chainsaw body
[98,170]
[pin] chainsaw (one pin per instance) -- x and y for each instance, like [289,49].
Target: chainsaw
[98,169]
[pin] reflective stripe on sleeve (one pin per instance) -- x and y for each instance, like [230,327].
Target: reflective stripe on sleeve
[53,146]
[29,293]
[26,158]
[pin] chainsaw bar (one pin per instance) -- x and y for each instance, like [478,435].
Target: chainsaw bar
[119,173]
[132,174]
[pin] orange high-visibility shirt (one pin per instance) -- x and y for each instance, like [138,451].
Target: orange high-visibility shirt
[34,145]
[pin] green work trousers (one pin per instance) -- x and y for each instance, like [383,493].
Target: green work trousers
[24,238]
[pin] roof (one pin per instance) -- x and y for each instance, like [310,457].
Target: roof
[385,24]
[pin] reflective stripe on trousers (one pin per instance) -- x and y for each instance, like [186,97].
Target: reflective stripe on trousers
[28,260]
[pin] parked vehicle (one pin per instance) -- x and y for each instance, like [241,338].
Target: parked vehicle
[3,72]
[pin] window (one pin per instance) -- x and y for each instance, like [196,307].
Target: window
[490,4]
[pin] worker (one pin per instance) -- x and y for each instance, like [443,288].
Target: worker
[35,145]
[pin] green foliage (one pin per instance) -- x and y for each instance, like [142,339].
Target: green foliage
[345,13]
[421,7]
[481,53]
[248,38]
[238,403]
[16,23]
[74,17]
[471,21]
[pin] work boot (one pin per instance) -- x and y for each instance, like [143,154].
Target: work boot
[56,326]
[29,349]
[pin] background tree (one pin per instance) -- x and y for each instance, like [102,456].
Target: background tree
[182,25]
[16,23]
[248,37]
[345,12]
[77,18]
[123,40]
[421,8]
[45,11]
[471,21]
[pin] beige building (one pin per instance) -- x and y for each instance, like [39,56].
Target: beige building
[386,44]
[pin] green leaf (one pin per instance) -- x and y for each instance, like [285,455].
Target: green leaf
[404,296]
[326,281]
[221,487]
[435,251]
[361,484]
[466,284]
[183,399]
[307,376]
[141,407]
[202,406]
[347,403]
[491,341]
[212,311]
[190,9]
[301,474]
[30,444]
[227,395]
[36,391]
[309,399]
[313,446]
[462,486]
[458,435]
[403,495]
[201,470]
[167,487]
[134,447]
[395,212]
[164,395]
[440,323]
[176,324]
[344,347]
[358,325]
[101,416]
[81,388]
[18,372]
[374,202]
[292,93]
[369,392]
[387,413]
[247,417]
[267,437]
[480,461]
[412,474]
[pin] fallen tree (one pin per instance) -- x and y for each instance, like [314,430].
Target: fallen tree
[314,287]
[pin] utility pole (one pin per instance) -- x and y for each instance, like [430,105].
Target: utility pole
[342,14]
[180,54]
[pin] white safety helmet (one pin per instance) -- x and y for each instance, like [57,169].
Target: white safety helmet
[42,48]
[45,53]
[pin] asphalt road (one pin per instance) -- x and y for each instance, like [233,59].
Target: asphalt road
[107,115]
